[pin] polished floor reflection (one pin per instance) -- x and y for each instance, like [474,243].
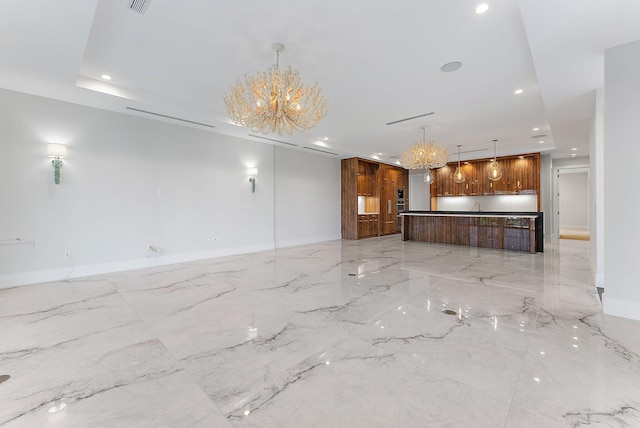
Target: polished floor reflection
[373,333]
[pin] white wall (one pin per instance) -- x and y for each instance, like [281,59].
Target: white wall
[129,182]
[596,189]
[419,191]
[307,208]
[574,199]
[546,170]
[621,113]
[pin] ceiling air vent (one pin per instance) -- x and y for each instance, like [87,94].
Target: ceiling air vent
[410,118]
[321,151]
[170,117]
[139,6]
[271,139]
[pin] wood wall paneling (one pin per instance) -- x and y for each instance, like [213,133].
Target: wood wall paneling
[521,175]
[515,234]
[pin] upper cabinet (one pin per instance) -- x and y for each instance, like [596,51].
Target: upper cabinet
[367,178]
[520,176]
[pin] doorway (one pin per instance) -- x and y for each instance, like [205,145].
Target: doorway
[573,203]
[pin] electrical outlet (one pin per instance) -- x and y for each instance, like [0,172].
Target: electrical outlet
[67,254]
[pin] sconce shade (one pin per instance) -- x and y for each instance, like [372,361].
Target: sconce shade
[252,172]
[57,150]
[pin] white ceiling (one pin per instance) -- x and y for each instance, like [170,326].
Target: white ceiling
[377,61]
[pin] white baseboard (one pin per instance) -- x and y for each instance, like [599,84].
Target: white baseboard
[35,277]
[305,241]
[599,278]
[574,226]
[58,274]
[620,308]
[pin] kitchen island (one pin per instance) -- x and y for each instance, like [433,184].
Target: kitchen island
[516,231]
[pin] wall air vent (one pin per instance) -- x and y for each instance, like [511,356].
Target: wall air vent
[271,139]
[139,6]
[170,117]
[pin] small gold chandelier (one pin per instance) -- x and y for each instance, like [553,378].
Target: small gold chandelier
[276,101]
[495,172]
[423,155]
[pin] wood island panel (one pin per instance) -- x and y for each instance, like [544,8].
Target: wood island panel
[505,232]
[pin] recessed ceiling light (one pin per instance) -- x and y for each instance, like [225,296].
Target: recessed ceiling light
[482,8]
[518,91]
[541,142]
[106,77]
[536,129]
[573,155]
[574,149]
[321,144]
[326,138]
[451,66]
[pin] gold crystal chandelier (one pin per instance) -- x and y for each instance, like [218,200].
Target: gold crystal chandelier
[275,101]
[423,155]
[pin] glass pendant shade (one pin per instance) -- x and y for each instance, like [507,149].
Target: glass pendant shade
[495,172]
[428,177]
[459,176]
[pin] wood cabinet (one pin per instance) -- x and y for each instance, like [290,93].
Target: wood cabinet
[367,225]
[370,198]
[520,176]
[393,180]
[367,178]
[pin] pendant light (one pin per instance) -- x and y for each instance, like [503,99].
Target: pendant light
[428,176]
[495,172]
[459,176]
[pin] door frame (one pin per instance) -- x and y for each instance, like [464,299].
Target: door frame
[555,200]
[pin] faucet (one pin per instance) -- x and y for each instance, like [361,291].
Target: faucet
[478,204]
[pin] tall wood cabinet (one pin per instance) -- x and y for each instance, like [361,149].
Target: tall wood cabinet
[370,198]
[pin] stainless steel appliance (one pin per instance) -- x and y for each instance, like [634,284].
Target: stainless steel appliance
[400,206]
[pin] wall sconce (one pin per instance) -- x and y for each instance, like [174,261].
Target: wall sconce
[252,172]
[57,152]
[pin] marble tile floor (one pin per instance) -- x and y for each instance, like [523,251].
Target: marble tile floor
[335,334]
